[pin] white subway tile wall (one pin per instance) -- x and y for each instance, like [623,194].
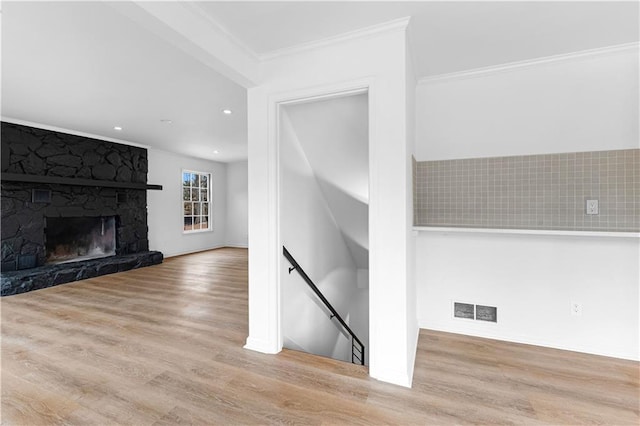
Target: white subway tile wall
[531,192]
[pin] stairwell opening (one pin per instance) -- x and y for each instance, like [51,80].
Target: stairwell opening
[323,157]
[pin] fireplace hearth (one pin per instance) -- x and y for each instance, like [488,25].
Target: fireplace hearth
[16,282]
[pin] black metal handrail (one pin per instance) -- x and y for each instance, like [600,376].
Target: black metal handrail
[357,353]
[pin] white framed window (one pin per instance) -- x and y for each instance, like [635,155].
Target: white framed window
[196,201]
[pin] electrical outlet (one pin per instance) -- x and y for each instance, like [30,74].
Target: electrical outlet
[592,206]
[576,309]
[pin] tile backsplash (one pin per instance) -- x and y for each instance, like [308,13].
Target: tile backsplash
[531,192]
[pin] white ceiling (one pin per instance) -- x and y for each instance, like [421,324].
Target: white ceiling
[85,66]
[446,36]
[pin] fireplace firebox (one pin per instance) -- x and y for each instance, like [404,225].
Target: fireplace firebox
[70,239]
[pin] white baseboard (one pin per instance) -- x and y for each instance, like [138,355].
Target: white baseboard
[182,253]
[413,351]
[166,255]
[260,345]
[394,377]
[237,245]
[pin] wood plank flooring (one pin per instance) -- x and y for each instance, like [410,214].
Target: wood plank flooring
[163,346]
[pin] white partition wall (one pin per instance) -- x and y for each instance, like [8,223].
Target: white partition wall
[375,62]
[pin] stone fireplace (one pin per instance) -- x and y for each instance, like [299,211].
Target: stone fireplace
[72,208]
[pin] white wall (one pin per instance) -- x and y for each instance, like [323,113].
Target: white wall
[586,103]
[376,61]
[532,279]
[580,104]
[334,136]
[237,204]
[165,209]
[312,236]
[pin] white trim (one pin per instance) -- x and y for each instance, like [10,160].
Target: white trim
[394,377]
[237,245]
[375,243]
[516,338]
[194,231]
[183,253]
[275,102]
[72,132]
[511,66]
[324,96]
[273,174]
[414,354]
[370,31]
[216,247]
[260,345]
[454,230]
[197,9]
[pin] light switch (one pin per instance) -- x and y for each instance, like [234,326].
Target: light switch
[592,206]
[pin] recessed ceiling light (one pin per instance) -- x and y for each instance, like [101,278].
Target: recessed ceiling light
[216,151]
[166,121]
[118,128]
[227,111]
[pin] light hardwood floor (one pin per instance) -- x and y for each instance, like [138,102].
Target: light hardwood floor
[163,346]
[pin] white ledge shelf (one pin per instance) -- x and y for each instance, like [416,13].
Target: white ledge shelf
[460,229]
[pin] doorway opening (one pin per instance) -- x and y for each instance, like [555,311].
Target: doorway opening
[323,157]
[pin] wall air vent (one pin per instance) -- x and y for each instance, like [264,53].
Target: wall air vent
[463,310]
[487,313]
[475,312]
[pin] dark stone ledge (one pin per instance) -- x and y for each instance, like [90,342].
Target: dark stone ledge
[16,282]
[21,177]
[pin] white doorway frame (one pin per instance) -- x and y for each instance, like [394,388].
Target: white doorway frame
[276,103]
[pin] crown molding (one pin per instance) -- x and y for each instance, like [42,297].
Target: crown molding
[199,11]
[373,30]
[70,132]
[511,66]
